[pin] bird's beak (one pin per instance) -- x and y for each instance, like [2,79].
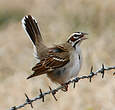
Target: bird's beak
[84,37]
[85,33]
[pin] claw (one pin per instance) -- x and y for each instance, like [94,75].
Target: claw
[65,89]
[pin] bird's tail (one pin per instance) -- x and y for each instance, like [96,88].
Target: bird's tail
[33,75]
[32,30]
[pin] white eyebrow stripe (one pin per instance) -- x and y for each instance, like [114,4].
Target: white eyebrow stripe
[78,33]
[75,33]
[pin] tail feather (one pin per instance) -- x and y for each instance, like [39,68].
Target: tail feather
[38,70]
[33,75]
[31,28]
[36,73]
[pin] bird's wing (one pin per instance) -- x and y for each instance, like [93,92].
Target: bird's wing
[57,58]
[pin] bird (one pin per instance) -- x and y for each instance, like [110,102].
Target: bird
[60,62]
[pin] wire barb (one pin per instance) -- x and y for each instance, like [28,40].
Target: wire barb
[13,108]
[103,70]
[91,74]
[54,91]
[41,95]
[28,100]
[75,81]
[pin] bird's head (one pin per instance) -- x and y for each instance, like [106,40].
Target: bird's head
[76,38]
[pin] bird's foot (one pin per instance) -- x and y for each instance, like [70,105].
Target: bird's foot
[65,87]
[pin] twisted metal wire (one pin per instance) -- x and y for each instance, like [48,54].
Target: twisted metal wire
[54,91]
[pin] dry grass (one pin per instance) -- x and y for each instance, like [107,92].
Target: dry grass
[57,19]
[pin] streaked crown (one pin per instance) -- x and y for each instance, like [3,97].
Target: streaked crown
[76,38]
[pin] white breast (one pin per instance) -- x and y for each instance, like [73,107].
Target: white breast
[75,64]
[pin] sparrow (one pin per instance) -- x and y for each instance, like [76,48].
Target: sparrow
[60,62]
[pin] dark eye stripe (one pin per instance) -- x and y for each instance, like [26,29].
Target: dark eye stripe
[74,39]
[76,35]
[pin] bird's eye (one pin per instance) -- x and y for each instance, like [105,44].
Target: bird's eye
[75,35]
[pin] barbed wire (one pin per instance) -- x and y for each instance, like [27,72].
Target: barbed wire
[54,91]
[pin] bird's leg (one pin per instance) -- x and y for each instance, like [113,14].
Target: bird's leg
[65,89]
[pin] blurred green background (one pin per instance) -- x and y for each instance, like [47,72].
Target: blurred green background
[57,20]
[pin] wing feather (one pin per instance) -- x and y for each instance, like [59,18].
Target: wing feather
[51,62]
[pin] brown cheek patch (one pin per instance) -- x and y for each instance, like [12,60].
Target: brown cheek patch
[72,39]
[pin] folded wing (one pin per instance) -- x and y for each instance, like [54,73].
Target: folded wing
[51,62]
